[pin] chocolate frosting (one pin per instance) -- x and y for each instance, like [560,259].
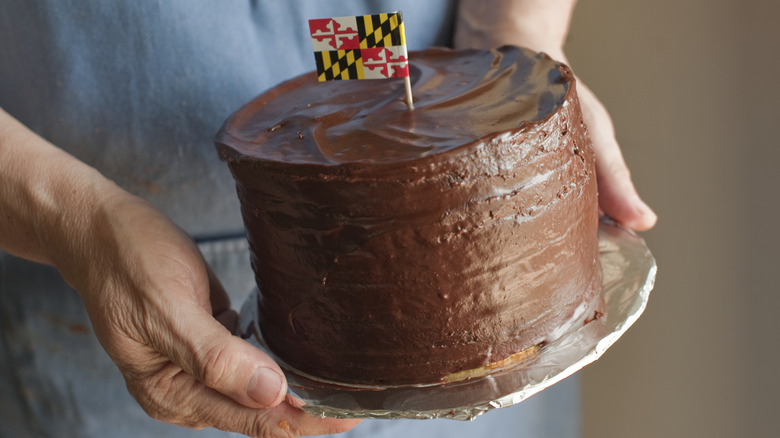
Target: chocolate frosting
[398,246]
[458,99]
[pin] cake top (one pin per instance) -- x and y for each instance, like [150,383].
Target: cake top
[461,96]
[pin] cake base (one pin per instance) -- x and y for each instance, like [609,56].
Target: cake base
[628,274]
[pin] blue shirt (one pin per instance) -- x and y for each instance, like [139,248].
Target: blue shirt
[137,89]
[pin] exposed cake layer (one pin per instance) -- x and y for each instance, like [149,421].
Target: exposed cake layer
[395,246]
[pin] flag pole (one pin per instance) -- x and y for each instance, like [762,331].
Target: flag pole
[408,85]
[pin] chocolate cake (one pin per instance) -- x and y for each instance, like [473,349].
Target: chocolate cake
[395,246]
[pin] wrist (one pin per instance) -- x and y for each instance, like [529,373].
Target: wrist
[540,25]
[71,220]
[48,198]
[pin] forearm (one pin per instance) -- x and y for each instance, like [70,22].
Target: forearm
[540,25]
[48,199]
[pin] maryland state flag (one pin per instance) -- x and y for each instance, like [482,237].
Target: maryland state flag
[364,47]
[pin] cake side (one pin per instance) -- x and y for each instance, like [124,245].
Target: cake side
[405,270]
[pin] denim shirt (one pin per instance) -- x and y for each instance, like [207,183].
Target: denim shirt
[137,89]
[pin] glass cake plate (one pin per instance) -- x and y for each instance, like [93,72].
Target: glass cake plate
[628,273]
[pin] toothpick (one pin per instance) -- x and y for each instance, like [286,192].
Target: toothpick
[408,85]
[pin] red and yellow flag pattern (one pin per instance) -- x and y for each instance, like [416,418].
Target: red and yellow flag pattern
[362,47]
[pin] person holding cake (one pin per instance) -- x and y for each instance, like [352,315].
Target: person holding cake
[119,220]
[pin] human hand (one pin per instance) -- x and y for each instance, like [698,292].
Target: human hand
[152,303]
[618,197]
[542,25]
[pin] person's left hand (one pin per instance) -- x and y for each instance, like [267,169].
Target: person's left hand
[618,197]
[542,25]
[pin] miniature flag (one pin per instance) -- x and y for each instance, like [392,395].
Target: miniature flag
[363,47]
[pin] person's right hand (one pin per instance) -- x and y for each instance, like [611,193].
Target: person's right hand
[151,300]
[147,291]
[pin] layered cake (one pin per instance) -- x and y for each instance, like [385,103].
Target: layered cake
[395,246]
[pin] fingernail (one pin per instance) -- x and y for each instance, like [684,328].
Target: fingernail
[646,217]
[264,386]
[643,208]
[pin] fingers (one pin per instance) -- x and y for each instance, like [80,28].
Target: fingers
[188,334]
[191,338]
[233,367]
[618,197]
[175,397]
[265,386]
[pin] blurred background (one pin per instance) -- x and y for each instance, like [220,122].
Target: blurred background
[692,88]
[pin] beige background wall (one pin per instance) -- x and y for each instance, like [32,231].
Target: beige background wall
[692,86]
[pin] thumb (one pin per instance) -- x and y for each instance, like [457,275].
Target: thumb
[618,197]
[228,364]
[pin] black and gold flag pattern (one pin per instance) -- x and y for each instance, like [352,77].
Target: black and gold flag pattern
[339,64]
[362,47]
[381,30]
